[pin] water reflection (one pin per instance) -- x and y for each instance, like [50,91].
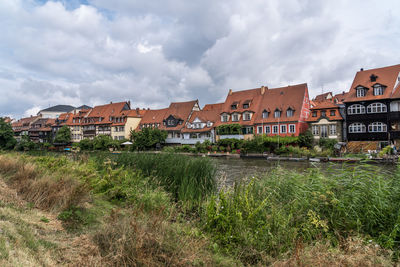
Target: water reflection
[231,170]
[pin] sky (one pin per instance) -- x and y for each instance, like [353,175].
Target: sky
[155,52]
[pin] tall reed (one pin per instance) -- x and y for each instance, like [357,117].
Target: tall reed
[188,179]
[269,215]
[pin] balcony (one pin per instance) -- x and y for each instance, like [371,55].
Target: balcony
[232,136]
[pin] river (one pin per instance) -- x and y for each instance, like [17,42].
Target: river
[230,170]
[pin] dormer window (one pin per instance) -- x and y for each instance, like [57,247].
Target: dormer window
[378,89]
[245,105]
[314,114]
[170,122]
[289,112]
[224,118]
[235,117]
[234,106]
[246,117]
[265,114]
[360,91]
[277,113]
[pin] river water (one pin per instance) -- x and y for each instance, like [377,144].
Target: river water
[231,170]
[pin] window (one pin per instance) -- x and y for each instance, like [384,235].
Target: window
[323,113]
[283,128]
[376,108]
[277,114]
[267,129]
[357,128]
[235,117]
[247,117]
[170,122]
[378,89]
[315,130]
[246,105]
[259,129]
[289,112]
[324,130]
[292,128]
[275,129]
[332,129]
[356,109]
[377,127]
[332,112]
[224,118]
[360,91]
[247,130]
[234,106]
[265,114]
[314,114]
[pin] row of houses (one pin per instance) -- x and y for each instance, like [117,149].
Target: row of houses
[369,111]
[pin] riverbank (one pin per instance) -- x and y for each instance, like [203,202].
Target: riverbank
[270,157]
[284,218]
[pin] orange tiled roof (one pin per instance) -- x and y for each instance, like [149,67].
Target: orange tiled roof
[103,114]
[179,110]
[386,76]
[326,105]
[282,99]
[322,97]
[210,113]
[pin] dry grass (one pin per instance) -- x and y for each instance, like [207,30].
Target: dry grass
[48,192]
[353,252]
[135,240]
[33,237]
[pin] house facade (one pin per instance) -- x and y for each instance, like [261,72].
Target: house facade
[201,125]
[325,119]
[172,119]
[283,111]
[40,131]
[22,126]
[368,105]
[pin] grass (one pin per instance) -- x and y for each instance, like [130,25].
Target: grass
[134,217]
[189,180]
[273,213]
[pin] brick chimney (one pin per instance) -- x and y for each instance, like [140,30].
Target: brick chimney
[263,88]
[230,92]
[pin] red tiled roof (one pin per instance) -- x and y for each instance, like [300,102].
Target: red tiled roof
[106,111]
[179,110]
[210,113]
[282,99]
[326,105]
[322,97]
[386,76]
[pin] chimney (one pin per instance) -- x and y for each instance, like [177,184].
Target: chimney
[129,103]
[110,102]
[263,88]
[362,69]
[137,111]
[230,92]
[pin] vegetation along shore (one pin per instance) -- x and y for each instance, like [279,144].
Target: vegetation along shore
[166,209]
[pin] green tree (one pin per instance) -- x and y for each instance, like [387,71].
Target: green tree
[63,135]
[25,144]
[147,138]
[306,139]
[7,140]
[102,142]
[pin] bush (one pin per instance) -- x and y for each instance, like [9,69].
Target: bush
[326,143]
[147,138]
[306,139]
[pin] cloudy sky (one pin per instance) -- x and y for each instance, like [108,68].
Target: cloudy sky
[158,51]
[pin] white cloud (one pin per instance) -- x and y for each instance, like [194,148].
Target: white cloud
[156,52]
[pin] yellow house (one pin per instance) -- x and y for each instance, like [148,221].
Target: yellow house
[122,130]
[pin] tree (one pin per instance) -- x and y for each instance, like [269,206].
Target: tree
[306,139]
[147,138]
[7,140]
[102,142]
[63,135]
